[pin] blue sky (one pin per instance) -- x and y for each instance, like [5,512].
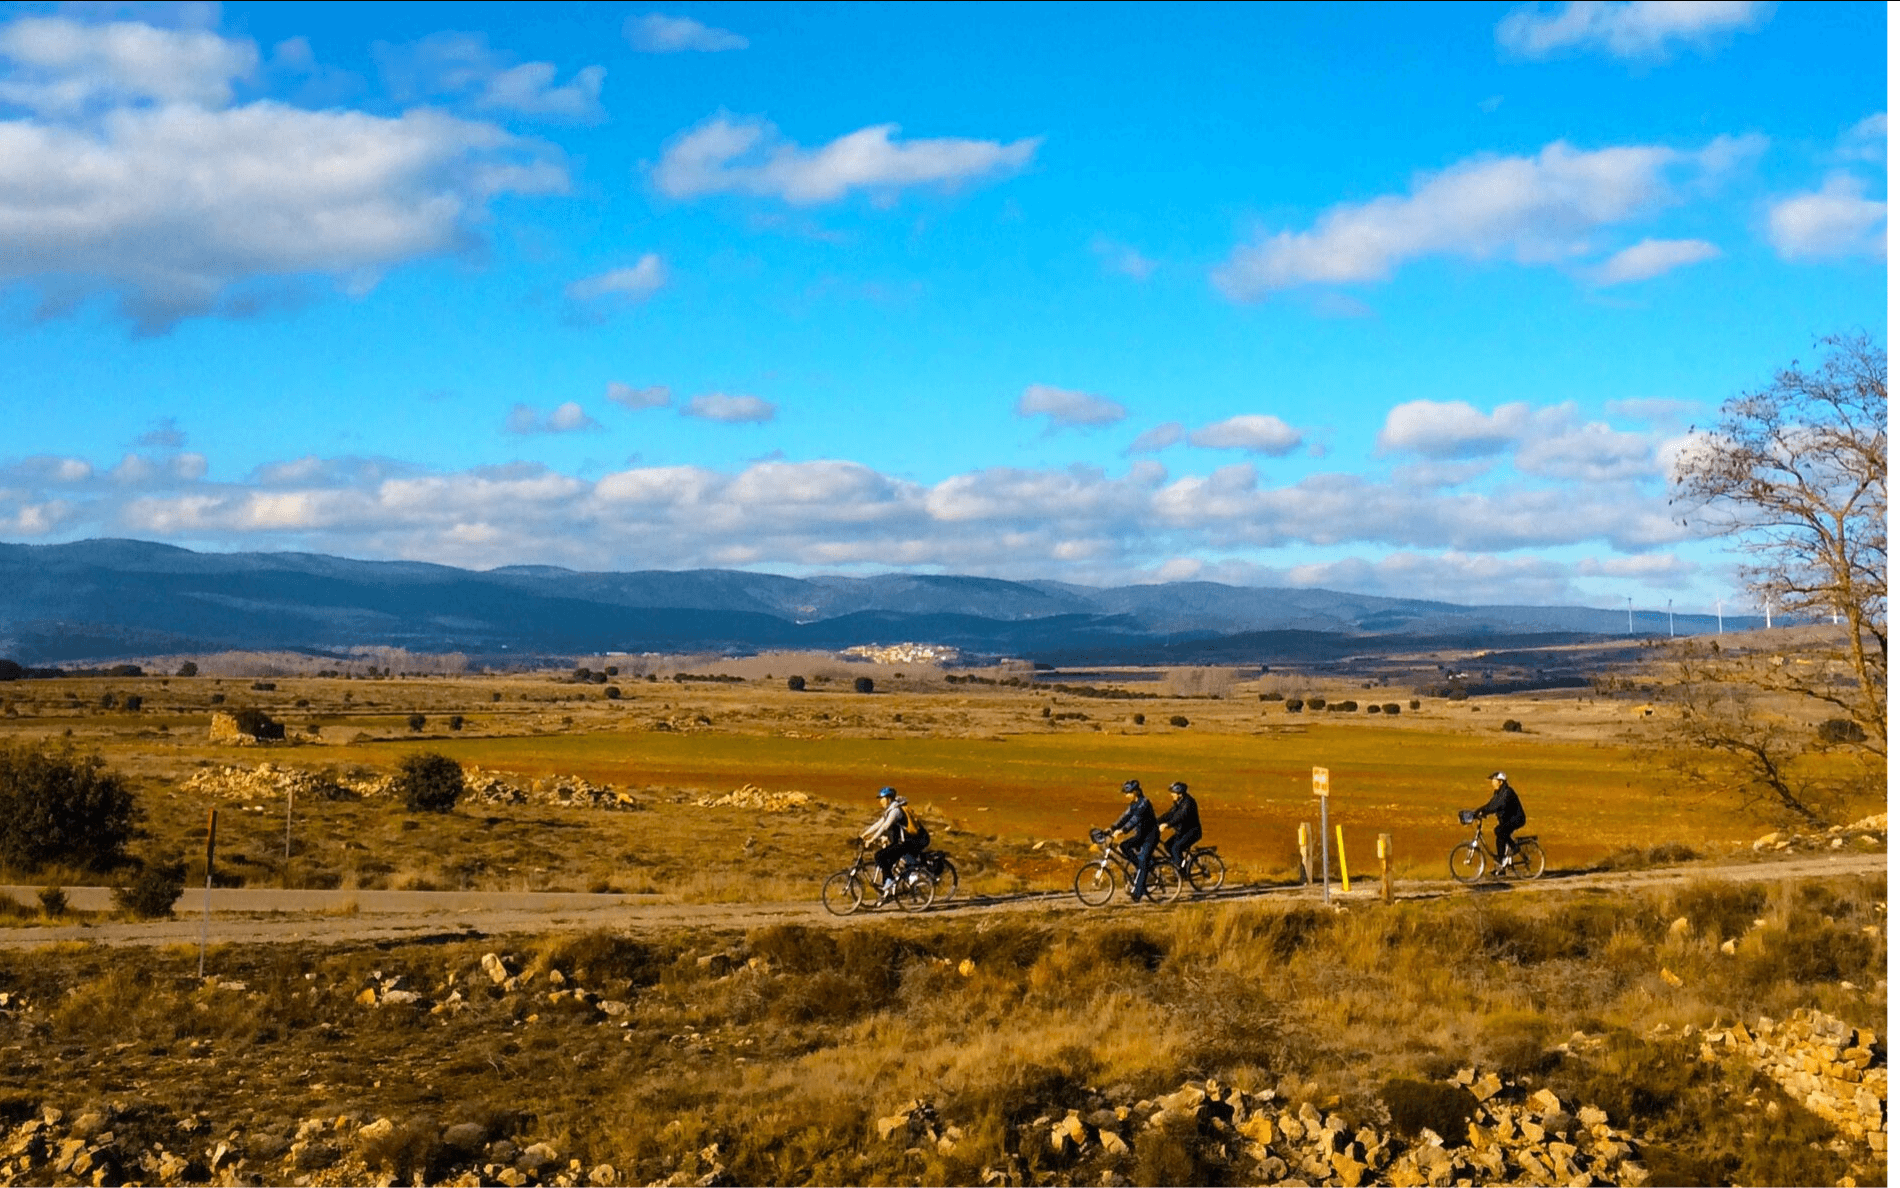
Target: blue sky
[1405,300]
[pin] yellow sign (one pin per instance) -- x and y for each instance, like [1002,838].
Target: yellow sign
[1322,781]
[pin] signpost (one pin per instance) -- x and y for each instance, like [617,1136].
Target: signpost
[211,853]
[1322,788]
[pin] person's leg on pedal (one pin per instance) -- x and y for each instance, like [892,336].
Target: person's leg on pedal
[1144,858]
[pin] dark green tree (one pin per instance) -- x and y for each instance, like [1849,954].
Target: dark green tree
[57,806]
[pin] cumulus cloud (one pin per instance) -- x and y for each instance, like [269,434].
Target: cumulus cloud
[1547,442]
[1121,259]
[1652,410]
[64,67]
[175,205]
[462,67]
[1659,568]
[732,409]
[1866,140]
[1639,31]
[1158,438]
[1452,429]
[1254,432]
[727,155]
[1652,258]
[636,283]
[1532,210]
[1067,409]
[1590,453]
[657,33]
[1833,222]
[562,418]
[628,396]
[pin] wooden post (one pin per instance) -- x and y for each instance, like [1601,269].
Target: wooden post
[211,855]
[1385,867]
[1322,787]
[1306,854]
[290,801]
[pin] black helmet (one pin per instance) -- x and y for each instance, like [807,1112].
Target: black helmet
[886,793]
[1177,787]
[1131,788]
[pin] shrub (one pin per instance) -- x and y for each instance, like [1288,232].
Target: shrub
[1344,707]
[1374,708]
[583,675]
[494,697]
[264,686]
[864,684]
[1392,707]
[1178,720]
[1046,711]
[1841,730]
[1141,719]
[1414,703]
[53,901]
[152,892]
[417,722]
[428,782]
[611,692]
[1294,705]
[56,806]
[1273,697]
[612,670]
[217,699]
[188,669]
[108,700]
[1457,695]
[1318,703]
[455,721]
[134,703]
[795,683]
[1512,726]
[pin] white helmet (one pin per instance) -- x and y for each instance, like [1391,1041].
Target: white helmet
[1498,775]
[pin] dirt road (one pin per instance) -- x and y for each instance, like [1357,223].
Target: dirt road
[264,916]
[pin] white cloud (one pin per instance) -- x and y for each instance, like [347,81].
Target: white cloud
[1255,432]
[1451,576]
[463,67]
[628,396]
[1533,210]
[1452,429]
[164,435]
[646,277]
[656,33]
[1652,410]
[1590,453]
[1657,569]
[562,418]
[737,156]
[718,406]
[1644,30]
[1122,259]
[1652,258]
[1158,438]
[1067,409]
[1833,222]
[172,207]
[1866,140]
[62,67]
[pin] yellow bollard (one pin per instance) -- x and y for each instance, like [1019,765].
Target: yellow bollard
[1385,867]
[1345,880]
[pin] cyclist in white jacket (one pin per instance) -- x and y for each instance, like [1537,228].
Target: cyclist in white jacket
[903,832]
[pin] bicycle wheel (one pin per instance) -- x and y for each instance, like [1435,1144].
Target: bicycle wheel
[1095,883]
[1528,862]
[1467,862]
[915,890]
[946,879]
[1164,882]
[1205,871]
[843,894]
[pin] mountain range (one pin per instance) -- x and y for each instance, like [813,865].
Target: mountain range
[108,599]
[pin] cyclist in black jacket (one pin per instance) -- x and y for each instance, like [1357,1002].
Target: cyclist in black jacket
[1509,811]
[1138,821]
[1184,817]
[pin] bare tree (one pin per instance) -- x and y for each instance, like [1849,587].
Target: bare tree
[1797,474]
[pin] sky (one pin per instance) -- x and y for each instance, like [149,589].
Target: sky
[1403,300]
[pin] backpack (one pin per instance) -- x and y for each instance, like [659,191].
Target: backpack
[914,828]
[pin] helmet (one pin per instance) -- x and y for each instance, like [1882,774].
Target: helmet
[1131,787]
[1497,775]
[886,793]
[1177,787]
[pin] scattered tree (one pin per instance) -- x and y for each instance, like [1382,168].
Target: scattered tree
[1392,707]
[188,669]
[1141,719]
[134,703]
[1178,720]
[57,806]
[1295,704]
[429,782]
[795,683]
[456,722]
[611,692]
[1512,726]
[864,685]
[417,722]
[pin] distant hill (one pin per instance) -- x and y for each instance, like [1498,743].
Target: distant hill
[104,599]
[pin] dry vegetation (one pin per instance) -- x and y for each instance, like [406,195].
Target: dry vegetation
[771,1055]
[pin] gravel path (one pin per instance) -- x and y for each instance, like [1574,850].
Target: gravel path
[267,916]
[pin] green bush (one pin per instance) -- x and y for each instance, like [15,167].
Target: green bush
[1512,726]
[456,721]
[1141,719]
[1295,704]
[152,892]
[53,901]
[796,684]
[188,669]
[429,782]
[1392,707]
[864,685]
[57,806]
[417,722]
[1318,703]
[1178,720]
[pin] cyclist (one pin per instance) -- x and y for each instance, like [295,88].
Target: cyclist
[1184,818]
[903,832]
[1509,811]
[1138,821]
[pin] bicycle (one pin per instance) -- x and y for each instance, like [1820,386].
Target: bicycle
[1095,882]
[857,886]
[942,870]
[1469,860]
[1203,869]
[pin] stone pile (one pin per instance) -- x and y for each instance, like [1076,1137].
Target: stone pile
[1838,1072]
[749,797]
[565,791]
[1512,1137]
[268,781]
[1867,833]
